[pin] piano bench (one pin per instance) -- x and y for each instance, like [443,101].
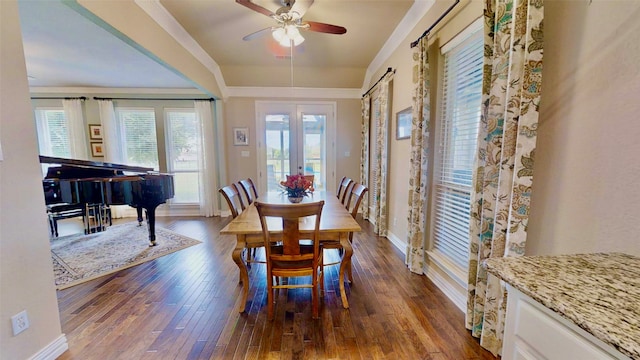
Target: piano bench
[66,211]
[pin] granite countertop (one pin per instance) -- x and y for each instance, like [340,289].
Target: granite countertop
[598,292]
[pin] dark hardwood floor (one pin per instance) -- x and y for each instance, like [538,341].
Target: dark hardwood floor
[183,306]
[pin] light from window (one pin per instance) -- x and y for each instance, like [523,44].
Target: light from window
[184,153]
[457,142]
[138,135]
[53,133]
[277,145]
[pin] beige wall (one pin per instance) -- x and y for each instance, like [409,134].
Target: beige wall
[401,60]
[241,112]
[26,271]
[586,193]
[586,196]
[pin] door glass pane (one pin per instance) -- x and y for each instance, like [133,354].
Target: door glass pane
[314,150]
[277,147]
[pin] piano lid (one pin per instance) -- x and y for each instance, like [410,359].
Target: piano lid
[93,164]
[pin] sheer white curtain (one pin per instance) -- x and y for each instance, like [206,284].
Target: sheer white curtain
[77,135]
[111,144]
[207,172]
[110,138]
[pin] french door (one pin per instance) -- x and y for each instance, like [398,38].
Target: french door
[293,139]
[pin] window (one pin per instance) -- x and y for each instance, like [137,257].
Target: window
[456,148]
[139,144]
[184,152]
[53,132]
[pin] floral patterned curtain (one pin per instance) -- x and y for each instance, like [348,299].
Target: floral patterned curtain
[382,146]
[419,157]
[364,152]
[507,141]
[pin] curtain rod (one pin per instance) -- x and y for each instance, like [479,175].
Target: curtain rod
[381,77]
[413,44]
[115,98]
[58,98]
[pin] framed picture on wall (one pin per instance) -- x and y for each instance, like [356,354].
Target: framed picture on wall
[240,136]
[96,149]
[95,132]
[403,124]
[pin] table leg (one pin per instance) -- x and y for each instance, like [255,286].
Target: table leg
[244,274]
[345,265]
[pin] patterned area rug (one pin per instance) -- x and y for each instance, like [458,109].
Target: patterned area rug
[79,258]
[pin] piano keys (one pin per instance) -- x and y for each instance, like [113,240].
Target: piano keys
[90,183]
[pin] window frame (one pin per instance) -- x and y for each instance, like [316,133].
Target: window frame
[453,268]
[42,124]
[122,133]
[169,150]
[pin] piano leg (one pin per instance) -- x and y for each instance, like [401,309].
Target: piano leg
[139,211]
[151,222]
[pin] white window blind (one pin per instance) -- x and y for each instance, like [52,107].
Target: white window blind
[457,142]
[53,133]
[138,135]
[184,150]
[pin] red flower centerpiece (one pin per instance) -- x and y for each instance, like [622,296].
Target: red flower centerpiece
[297,186]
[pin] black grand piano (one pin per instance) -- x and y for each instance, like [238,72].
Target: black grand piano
[89,187]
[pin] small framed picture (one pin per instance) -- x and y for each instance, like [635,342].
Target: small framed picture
[97,149]
[95,132]
[240,136]
[403,124]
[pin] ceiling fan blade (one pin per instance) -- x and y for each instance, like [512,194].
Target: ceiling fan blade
[325,28]
[257,34]
[301,6]
[255,7]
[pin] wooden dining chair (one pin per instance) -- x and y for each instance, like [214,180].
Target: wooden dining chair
[357,193]
[236,205]
[312,179]
[249,189]
[343,189]
[290,257]
[233,198]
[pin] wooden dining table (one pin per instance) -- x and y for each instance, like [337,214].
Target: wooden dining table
[335,224]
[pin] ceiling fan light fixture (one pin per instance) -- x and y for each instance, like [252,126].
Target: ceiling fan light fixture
[287,34]
[280,35]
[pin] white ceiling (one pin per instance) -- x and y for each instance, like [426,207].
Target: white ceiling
[65,49]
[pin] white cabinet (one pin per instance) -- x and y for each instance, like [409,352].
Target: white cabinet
[533,331]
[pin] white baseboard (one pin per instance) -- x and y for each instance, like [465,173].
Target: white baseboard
[399,244]
[444,282]
[447,286]
[53,350]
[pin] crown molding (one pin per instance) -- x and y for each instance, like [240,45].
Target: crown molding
[161,16]
[295,92]
[103,90]
[417,11]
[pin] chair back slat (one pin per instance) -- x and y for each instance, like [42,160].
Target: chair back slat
[357,194]
[249,189]
[343,188]
[290,214]
[233,198]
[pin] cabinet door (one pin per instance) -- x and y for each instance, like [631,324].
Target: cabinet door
[533,331]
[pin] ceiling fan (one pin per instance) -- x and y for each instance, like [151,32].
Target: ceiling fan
[289,21]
